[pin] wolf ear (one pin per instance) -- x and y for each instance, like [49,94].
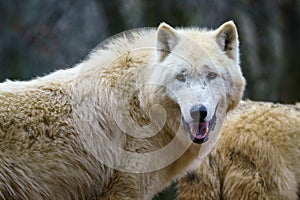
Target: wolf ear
[167,39]
[227,39]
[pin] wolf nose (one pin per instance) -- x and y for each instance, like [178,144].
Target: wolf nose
[198,112]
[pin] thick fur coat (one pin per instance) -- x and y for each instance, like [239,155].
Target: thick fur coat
[101,129]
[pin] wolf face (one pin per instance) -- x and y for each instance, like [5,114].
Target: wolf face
[197,69]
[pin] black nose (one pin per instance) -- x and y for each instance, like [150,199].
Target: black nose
[198,112]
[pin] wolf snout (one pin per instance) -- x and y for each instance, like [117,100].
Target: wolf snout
[198,112]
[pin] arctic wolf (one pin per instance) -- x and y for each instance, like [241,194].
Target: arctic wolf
[137,113]
[257,157]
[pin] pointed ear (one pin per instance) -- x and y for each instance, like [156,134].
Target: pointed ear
[167,39]
[227,39]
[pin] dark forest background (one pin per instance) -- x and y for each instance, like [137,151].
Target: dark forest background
[39,36]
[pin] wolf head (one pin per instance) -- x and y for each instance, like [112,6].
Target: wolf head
[199,71]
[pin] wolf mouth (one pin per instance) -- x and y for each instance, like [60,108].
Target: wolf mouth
[199,132]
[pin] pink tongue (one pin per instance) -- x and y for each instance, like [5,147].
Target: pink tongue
[200,130]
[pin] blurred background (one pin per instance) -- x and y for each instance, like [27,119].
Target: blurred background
[37,37]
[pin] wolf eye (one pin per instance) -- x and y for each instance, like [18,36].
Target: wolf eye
[180,77]
[212,75]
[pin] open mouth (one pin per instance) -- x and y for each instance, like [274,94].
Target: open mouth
[199,132]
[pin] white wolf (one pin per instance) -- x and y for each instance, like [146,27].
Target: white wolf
[115,126]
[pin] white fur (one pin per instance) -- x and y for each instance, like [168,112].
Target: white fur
[91,123]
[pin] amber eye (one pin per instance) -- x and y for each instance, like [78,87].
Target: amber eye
[211,75]
[180,77]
